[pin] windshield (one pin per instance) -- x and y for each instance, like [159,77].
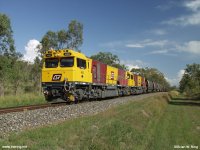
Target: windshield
[67,62]
[51,63]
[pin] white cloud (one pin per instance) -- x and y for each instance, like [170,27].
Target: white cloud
[159,43]
[168,5]
[193,19]
[159,52]
[193,5]
[134,45]
[180,74]
[158,32]
[175,81]
[139,44]
[172,82]
[112,44]
[134,64]
[31,50]
[190,47]
[172,48]
[148,42]
[164,47]
[185,20]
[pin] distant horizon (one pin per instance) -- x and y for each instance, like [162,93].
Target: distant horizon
[156,34]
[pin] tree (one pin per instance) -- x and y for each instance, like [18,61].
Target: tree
[7,51]
[71,38]
[6,39]
[17,75]
[36,74]
[109,59]
[49,41]
[62,39]
[184,84]
[190,82]
[75,33]
[5,69]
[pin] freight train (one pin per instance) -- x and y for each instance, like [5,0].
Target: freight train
[68,75]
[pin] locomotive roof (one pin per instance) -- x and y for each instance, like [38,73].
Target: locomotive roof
[63,53]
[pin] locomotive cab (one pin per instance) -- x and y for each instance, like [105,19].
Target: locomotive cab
[62,69]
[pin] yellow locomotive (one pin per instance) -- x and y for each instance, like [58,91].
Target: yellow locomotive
[68,75]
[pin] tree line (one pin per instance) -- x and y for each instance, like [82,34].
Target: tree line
[190,82]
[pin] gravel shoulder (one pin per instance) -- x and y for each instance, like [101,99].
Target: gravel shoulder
[19,121]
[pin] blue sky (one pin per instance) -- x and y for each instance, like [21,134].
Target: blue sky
[143,33]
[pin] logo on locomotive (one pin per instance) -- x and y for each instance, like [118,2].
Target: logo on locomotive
[56,77]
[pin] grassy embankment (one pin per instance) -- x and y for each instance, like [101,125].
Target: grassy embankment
[151,123]
[180,98]
[21,100]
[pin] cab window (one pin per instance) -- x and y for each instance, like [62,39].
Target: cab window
[67,62]
[51,63]
[81,63]
[128,76]
[131,76]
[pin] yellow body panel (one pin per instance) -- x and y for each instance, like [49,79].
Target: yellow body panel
[111,75]
[67,73]
[139,80]
[130,77]
[74,73]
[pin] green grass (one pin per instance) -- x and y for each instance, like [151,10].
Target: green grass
[151,123]
[21,100]
[180,125]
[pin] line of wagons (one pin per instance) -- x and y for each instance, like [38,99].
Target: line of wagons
[68,75]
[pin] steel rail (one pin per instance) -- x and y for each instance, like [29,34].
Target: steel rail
[28,107]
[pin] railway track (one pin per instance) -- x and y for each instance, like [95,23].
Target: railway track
[30,107]
[33,107]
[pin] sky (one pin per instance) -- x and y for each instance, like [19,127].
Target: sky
[160,34]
